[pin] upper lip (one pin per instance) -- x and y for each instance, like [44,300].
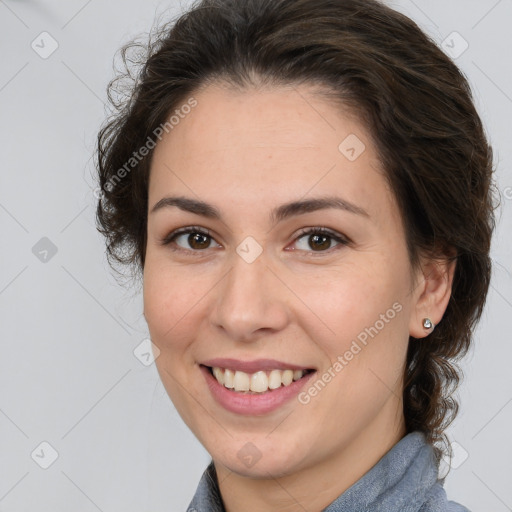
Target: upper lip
[252,366]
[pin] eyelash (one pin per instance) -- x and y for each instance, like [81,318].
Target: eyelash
[169,239]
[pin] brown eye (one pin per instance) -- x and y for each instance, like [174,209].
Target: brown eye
[189,239]
[319,240]
[198,241]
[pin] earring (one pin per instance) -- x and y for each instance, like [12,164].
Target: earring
[428,324]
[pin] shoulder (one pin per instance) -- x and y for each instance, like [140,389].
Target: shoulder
[207,497]
[438,502]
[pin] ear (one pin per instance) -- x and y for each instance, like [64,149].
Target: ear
[431,294]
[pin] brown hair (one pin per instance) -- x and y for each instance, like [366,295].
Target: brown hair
[414,101]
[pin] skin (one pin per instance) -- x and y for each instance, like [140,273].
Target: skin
[247,152]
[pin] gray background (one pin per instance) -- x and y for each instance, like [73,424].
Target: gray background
[68,374]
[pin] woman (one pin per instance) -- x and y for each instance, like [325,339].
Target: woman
[305,188]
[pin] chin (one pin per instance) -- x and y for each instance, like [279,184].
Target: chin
[261,459]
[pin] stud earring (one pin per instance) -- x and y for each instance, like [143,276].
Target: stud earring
[428,324]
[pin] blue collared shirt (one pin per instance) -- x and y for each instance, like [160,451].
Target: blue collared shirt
[404,480]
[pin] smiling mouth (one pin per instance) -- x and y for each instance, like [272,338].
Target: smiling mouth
[258,382]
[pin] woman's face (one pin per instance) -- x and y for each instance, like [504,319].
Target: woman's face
[252,288]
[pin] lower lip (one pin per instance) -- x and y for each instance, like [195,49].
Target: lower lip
[253,404]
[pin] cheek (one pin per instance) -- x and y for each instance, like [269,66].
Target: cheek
[170,314]
[341,304]
[170,302]
[363,327]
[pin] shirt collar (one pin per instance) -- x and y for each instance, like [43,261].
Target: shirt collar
[404,479]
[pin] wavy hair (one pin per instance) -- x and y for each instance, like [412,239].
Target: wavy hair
[414,101]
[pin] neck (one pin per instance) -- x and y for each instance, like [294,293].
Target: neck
[314,487]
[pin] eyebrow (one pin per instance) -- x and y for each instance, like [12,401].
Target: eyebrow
[278,214]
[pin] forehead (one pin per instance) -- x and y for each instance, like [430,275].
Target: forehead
[267,146]
[293,117]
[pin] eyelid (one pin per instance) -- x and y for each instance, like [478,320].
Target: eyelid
[169,239]
[338,237]
[324,231]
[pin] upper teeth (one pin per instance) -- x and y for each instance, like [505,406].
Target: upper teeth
[258,382]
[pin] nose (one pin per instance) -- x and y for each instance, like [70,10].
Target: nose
[250,300]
